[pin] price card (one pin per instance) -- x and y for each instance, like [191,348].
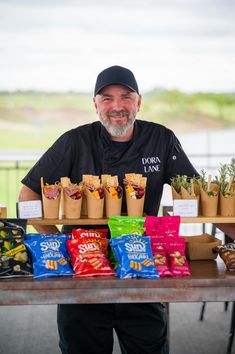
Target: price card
[29,209]
[185,207]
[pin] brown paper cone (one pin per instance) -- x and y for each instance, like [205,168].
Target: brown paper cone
[135,207]
[113,206]
[175,195]
[72,207]
[84,204]
[227,205]
[186,195]
[209,204]
[95,207]
[51,207]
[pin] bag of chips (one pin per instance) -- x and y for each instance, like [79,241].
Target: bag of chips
[14,260]
[158,245]
[134,256]
[162,225]
[88,256]
[49,255]
[175,248]
[124,225]
[227,253]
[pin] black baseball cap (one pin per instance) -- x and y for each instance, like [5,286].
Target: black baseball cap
[116,75]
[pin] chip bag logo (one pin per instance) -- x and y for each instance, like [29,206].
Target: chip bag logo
[88,247]
[50,245]
[135,247]
[89,234]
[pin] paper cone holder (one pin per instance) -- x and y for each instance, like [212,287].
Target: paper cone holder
[72,207]
[135,207]
[227,205]
[113,206]
[51,207]
[95,207]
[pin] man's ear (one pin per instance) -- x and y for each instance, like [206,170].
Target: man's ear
[95,104]
[139,103]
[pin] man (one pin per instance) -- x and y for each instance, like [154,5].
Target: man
[116,145]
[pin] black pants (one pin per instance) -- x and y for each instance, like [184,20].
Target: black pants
[88,329]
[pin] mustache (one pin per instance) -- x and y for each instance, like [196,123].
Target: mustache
[118,114]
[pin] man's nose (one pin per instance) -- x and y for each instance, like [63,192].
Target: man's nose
[117,104]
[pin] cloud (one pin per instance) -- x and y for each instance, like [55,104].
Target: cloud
[61,45]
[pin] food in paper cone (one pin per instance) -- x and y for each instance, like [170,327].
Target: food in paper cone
[176,187]
[86,183]
[209,193]
[72,201]
[183,187]
[135,188]
[64,181]
[175,194]
[113,195]
[51,194]
[95,197]
[227,192]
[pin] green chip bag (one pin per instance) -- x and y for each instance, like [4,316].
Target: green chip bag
[124,225]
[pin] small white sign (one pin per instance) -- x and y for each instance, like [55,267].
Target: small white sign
[29,209]
[185,207]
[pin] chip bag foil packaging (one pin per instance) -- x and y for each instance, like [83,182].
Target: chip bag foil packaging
[134,256]
[14,260]
[51,194]
[72,199]
[49,255]
[124,225]
[135,188]
[94,196]
[175,248]
[88,251]
[227,253]
[161,261]
[162,226]
[113,195]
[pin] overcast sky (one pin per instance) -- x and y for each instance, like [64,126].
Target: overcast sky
[60,45]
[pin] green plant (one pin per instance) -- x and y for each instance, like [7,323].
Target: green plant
[205,183]
[223,173]
[183,181]
[231,169]
[176,183]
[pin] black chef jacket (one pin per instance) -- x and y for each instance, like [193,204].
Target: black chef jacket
[153,151]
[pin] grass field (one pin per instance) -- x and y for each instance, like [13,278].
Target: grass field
[32,121]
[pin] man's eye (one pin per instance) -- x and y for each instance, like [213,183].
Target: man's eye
[106,99]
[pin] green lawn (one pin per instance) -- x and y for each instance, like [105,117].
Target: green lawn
[32,121]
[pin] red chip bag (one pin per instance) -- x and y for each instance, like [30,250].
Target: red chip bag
[88,256]
[89,233]
[171,225]
[162,225]
[175,248]
[160,256]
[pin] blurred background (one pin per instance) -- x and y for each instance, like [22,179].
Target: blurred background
[181,52]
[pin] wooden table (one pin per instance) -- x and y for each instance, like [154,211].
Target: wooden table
[104,221]
[209,282]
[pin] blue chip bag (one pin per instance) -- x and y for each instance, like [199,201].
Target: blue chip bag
[49,255]
[134,256]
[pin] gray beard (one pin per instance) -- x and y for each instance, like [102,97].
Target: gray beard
[117,131]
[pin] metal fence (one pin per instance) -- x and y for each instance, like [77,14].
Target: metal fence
[13,170]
